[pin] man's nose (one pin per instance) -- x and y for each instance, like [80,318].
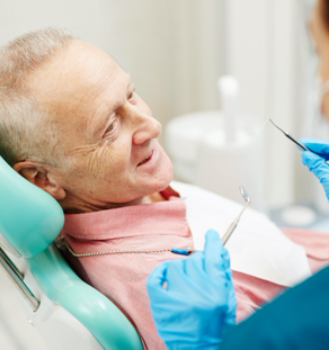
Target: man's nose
[145,127]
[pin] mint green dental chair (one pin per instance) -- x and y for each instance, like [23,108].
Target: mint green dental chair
[68,313]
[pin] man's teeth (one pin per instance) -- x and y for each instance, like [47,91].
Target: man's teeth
[145,160]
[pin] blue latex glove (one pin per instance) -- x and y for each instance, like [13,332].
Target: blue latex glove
[317,162]
[193,299]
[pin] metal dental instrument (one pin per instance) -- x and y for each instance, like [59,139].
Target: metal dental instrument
[303,147]
[235,222]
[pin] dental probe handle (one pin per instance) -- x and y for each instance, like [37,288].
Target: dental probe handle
[299,144]
[230,230]
[233,225]
[305,148]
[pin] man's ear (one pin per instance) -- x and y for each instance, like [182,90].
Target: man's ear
[38,174]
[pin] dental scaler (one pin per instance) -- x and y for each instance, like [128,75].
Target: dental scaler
[303,147]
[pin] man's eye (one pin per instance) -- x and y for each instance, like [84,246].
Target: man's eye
[110,128]
[131,95]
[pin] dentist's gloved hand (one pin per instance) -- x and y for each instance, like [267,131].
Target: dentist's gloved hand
[317,162]
[193,299]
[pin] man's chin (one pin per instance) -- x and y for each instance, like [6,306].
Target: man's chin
[162,181]
[167,174]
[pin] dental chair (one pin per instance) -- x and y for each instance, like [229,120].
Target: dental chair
[68,313]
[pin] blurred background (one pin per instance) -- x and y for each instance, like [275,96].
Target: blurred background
[175,51]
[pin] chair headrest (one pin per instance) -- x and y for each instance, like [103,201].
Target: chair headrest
[30,219]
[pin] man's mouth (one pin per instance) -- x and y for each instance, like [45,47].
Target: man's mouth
[146,159]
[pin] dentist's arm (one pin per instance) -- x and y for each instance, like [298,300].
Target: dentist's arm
[317,162]
[193,299]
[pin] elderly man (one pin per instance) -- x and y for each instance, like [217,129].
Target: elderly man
[72,124]
[94,140]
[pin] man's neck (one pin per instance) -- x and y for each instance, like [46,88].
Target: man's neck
[74,206]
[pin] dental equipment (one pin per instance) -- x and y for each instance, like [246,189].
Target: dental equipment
[303,147]
[235,222]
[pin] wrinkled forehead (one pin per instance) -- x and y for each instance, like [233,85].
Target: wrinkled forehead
[77,84]
[76,79]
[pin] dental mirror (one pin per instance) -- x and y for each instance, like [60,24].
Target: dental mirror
[244,194]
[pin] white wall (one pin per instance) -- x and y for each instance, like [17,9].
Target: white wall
[262,45]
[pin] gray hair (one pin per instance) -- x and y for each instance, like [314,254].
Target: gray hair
[25,132]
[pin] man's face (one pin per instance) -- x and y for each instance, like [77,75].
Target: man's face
[106,130]
[320,33]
